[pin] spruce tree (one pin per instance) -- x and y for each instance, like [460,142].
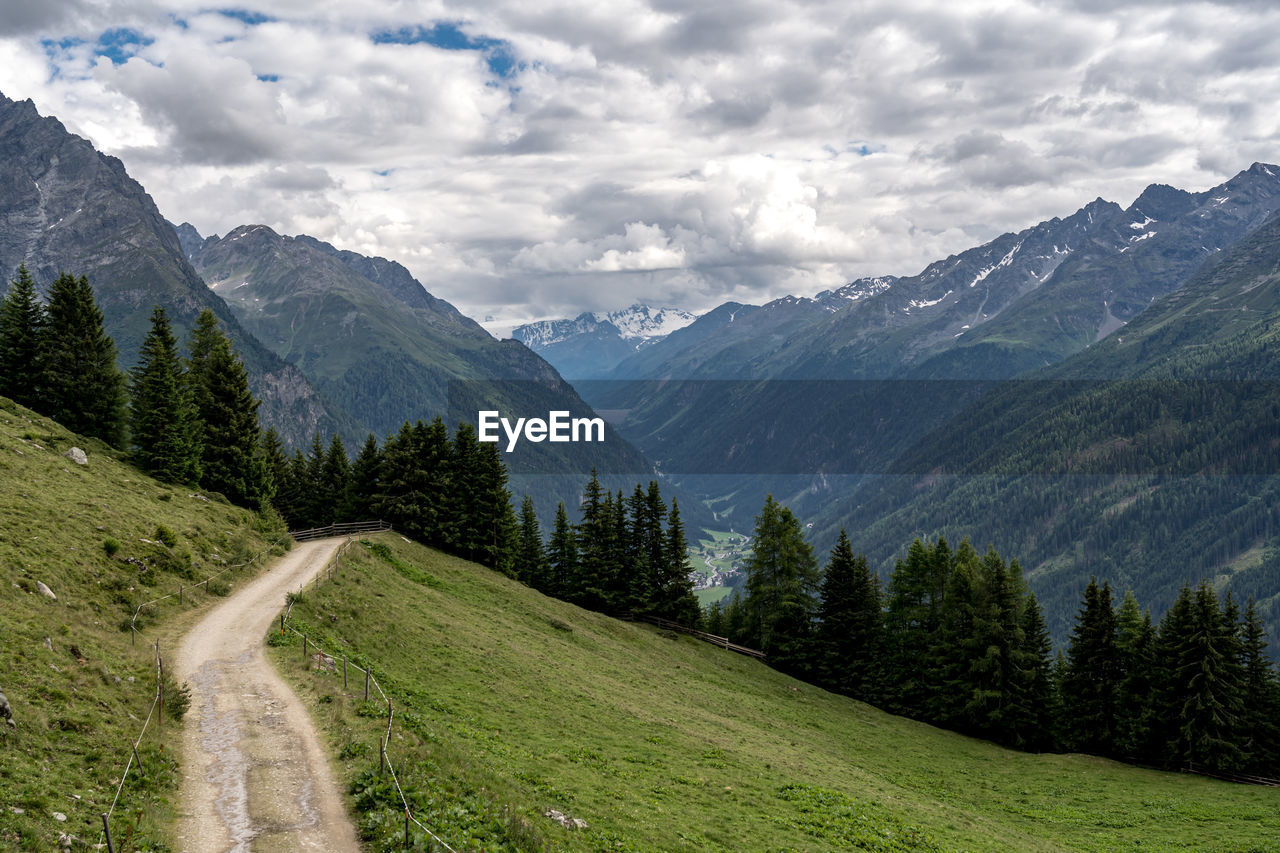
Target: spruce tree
[22,325]
[1030,724]
[228,411]
[1135,652]
[1261,698]
[335,482]
[782,587]
[1093,674]
[563,555]
[84,390]
[1209,686]
[277,465]
[532,566]
[364,482]
[849,636]
[166,432]
[677,600]
[593,547]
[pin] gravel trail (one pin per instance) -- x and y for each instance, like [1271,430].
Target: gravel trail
[255,777]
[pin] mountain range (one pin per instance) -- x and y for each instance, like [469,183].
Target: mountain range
[592,344]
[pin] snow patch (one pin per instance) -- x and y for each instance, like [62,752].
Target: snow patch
[1140,225]
[1140,237]
[928,303]
[1003,262]
[1222,200]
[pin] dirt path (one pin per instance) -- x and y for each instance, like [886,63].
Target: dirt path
[255,777]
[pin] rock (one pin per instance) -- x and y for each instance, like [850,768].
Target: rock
[77,456]
[59,817]
[45,591]
[17,810]
[48,644]
[7,712]
[564,820]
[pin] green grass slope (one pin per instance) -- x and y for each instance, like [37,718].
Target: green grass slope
[510,704]
[79,689]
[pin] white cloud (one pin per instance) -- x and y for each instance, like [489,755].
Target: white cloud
[667,150]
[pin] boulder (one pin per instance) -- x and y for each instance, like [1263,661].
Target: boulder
[77,456]
[45,591]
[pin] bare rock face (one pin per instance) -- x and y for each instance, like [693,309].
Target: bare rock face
[77,456]
[66,206]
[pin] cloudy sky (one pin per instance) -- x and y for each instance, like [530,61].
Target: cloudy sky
[531,159]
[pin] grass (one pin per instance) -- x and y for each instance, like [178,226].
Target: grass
[79,689]
[511,704]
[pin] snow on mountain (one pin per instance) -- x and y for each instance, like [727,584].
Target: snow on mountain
[638,324]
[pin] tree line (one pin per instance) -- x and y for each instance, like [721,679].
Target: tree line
[625,554]
[957,640]
[186,420]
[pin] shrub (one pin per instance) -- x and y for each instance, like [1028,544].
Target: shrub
[111,546]
[167,536]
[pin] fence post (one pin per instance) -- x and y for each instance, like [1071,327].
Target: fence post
[179,593]
[366,684]
[106,828]
[344,673]
[138,759]
[133,633]
[304,647]
[281,624]
[406,829]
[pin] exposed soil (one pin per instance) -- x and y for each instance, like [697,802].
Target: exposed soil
[255,777]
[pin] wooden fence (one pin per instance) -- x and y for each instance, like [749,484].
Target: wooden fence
[722,642]
[349,528]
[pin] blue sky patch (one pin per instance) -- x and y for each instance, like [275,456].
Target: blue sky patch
[448,35]
[120,44]
[245,16]
[269,78]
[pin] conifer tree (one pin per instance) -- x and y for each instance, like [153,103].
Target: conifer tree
[335,480]
[677,600]
[1135,653]
[277,464]
[782,587]
[165,430]
[1093,674]
[1208,685]
[563,555]
[1031,723]
[593,530]
[364,482]
[533,567]
[22,325]
[84,390]
[953,650]
[228,411]
[849,637]
[1260,696]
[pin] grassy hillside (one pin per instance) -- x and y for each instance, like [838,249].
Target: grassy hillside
[510,704]
[79,689]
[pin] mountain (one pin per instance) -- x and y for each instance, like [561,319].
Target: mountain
[592,344]
[1147,459]
[374,341]
[1015,304]
[65,206]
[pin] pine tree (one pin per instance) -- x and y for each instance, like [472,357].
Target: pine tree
[1093,674]
[916,591]
[1208,683]
[563,556]
[782,586]
[849,636]
[1135,651]
[1261,697]
[588,588]
[335,482]
[954,650]
[165,429]
[84,390]
[364,482]
[1030,724]
[231,461]
[675,588]
[22,325]
[277,465]
[532,565]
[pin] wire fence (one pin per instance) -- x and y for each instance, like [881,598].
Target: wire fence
[714,639]
[133,759]
[370,680]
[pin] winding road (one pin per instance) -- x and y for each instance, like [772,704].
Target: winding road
[255,777]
